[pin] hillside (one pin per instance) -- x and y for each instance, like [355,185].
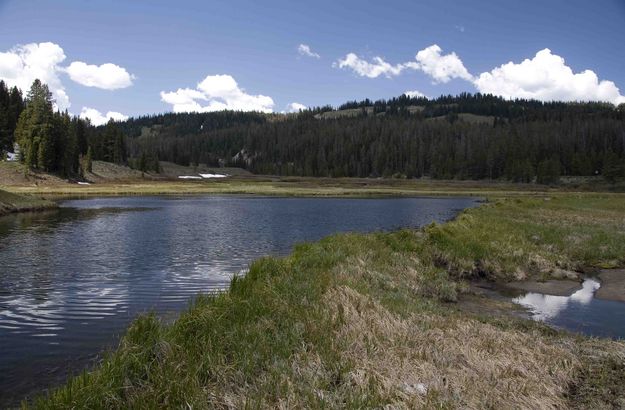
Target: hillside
[462,137]
[14,173]
[465,137]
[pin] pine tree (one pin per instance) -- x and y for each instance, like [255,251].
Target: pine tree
[88,161]
[34,128]
[47,139]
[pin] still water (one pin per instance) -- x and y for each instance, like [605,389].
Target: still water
[71,280]
[580,312]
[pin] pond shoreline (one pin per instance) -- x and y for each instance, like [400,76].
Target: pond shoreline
[347,287]
[96,292]
[11,203]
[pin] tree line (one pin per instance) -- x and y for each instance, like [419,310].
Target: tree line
[54,141]
[469,136]
[11,106]
[464,137]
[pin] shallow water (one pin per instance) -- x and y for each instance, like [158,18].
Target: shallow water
[71,280]
[580,312]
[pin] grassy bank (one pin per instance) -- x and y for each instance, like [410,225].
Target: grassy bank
[370,320]
[10,203]
[279,186]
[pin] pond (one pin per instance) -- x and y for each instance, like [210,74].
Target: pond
[71,280]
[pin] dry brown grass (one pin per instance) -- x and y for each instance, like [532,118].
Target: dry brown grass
[425,361]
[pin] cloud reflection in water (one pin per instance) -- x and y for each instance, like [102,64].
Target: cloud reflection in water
[545,307]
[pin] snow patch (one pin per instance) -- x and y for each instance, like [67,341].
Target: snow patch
[206,176]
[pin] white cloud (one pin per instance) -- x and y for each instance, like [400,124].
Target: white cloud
[106,76]
[305,50]
[295,107]
[414,94]
[441,68]
[547,77]
[372,69]
[22,64]
[97,118]
[216,93]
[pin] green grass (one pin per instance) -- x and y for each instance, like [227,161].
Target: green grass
[291,186]
[367,321]
[521,238]
[10,202]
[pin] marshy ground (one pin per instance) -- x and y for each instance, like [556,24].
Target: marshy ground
[373,320]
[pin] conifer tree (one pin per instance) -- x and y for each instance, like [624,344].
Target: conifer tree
[34,128]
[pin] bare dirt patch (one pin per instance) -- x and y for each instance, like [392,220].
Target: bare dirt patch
[612,285]
[549,287]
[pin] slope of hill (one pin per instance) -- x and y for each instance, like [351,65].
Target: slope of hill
[462,137]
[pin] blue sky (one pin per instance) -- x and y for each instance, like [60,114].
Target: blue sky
[166,46]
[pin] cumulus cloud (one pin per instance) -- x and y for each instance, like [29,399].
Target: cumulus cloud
[547,77]
[22,64]
[414,94]
[372,69]
[304,49]
[295,107]
[97,118]
[106,76]
[216,93]
[544,77]
[441,68]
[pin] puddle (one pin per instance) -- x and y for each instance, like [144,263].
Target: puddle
[580,312]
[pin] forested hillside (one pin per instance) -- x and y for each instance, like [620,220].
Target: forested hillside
[468,136]
[464,137]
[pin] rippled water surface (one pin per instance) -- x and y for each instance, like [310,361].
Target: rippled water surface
[71,280]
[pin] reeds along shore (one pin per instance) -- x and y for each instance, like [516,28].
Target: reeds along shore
[372,320]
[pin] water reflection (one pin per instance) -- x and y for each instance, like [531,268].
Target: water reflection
[544,307]
[581,312]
